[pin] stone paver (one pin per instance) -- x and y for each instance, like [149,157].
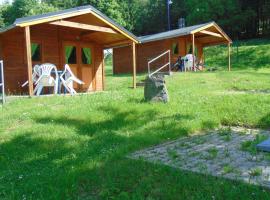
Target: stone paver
[215,153]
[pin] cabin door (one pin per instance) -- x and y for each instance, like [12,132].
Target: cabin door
[79,56]
[87,66]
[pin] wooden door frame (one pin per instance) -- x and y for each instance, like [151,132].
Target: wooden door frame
[91,46]
[79,45]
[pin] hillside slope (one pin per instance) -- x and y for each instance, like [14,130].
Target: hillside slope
[251,54]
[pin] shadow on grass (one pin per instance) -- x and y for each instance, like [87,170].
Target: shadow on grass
[265,121]
[36,162]
[91,163]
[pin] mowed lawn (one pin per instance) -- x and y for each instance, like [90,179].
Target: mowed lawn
[77,147]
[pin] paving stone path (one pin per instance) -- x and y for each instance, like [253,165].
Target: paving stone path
[228,153]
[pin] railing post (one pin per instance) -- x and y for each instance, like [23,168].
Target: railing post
[170,62]
[159,56]
[229,57]
[149,68]
[2,81]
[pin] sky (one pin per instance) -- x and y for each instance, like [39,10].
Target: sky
[3,1]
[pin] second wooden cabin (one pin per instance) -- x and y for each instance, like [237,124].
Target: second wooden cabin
[180,42]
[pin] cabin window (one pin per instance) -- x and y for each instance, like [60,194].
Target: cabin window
[71,55]
[189,49]
[175,49]
[86,56]
[36,52]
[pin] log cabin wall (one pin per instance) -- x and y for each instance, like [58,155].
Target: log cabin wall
[150,50]
[50,37]
[122,57]
[122,62]
[13,55]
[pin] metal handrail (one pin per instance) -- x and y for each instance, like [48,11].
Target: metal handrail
[2,84]
[159,69]
[159,56]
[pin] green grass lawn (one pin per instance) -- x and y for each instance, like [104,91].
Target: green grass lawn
[76,147]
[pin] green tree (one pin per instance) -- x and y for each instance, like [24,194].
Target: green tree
[22,8]
[227,13]
[62,4]
[109,7]
[130,11]
[151,17]
[3,9]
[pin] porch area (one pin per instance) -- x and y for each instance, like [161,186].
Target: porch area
[188,51]
[180,43]
[73,39]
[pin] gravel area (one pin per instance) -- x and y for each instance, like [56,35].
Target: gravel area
[227,152]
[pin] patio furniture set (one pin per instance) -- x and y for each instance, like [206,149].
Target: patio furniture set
[47,75]
[185,63]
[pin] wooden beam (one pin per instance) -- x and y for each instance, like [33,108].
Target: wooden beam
[229,56]
[208,44]
[202,28]
[211,33]
[116,28]
[53,18]
[117,44]
[134,63]
[28,59]
[87,33]
[216,26]
[223,33]
[83,26]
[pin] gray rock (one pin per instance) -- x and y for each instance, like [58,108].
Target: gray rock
[155,89]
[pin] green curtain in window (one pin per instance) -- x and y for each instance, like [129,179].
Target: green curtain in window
[34,47]
[175,48]
[189,49]
[68,51]
[87,54]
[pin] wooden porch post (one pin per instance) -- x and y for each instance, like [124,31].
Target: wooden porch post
[193,51]
[28,59]
[134,63]
[229,57]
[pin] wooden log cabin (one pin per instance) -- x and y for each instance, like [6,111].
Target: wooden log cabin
[75,36]
[179,41]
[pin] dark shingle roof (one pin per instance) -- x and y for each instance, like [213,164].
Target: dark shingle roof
[171,34]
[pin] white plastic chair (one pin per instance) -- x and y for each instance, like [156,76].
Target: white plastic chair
[68,78]
[188,63]
[46,79]
[35,76]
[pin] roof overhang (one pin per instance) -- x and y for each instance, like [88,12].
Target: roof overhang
[212,24]
[187,31]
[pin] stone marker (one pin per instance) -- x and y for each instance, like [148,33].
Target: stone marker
[264,146]
[155,89]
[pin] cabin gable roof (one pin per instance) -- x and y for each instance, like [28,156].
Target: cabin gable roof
[73,12]
[181,32]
